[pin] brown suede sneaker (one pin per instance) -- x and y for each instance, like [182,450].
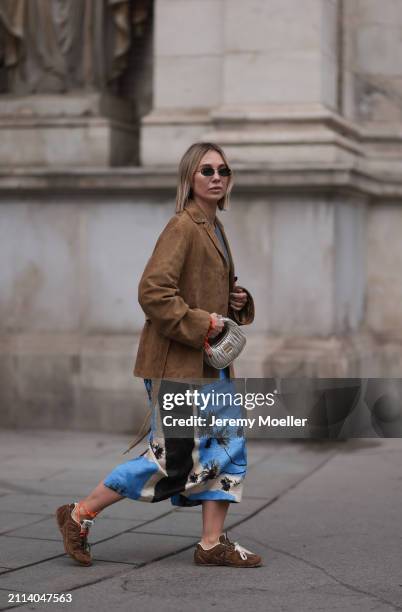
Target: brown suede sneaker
[226,553]
[74,535]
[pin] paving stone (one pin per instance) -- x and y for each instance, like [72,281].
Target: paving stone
[32,504]
[177,523]
[16,552]
[48,529]
[71,489]
[282,470]
[177,584]
[128,508]
[16,520]
[14,487]
[139,547]
[262,449]
[247,506]
[58,575]
[105,527]
[47,504]
[27,469]
[80,475]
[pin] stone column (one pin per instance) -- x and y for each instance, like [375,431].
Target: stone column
[262,78]
[373,99]
[281,71]
[188,48]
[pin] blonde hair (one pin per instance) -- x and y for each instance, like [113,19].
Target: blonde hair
[188,165]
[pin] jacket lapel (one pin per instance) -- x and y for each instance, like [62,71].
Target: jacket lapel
[198,215]
[231,263]
[215,240]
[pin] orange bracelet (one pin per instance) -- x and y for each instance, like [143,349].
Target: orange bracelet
[211,326]
[86,511]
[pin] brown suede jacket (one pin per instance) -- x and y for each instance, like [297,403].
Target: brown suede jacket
[186,278]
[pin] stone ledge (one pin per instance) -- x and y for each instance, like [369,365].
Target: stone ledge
[361,355]
[58,106]
[263,178]
[57,130]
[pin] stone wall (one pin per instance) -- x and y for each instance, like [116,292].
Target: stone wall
[75,246]
[373,42]
[305,99]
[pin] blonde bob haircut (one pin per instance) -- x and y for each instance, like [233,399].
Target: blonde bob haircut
[188,166]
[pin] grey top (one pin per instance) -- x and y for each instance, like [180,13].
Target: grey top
[220,238]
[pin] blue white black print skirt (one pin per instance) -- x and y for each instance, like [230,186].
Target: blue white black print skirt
[201,463]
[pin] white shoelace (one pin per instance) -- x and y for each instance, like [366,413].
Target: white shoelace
[86,524]
[242,551]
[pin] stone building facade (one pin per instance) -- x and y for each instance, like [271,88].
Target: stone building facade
[305,96]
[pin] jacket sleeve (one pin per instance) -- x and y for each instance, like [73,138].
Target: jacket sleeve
[158,291]
[245,316]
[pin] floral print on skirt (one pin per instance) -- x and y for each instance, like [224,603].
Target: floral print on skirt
[204,463]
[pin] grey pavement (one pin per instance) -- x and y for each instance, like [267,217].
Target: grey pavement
[325,516]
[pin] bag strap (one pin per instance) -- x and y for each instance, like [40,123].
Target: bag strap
[152,390]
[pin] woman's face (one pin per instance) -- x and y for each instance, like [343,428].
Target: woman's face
[210,188]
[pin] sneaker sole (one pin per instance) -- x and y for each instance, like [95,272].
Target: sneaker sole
[227,565]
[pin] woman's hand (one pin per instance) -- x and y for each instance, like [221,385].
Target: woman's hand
[238,298]
[217,325]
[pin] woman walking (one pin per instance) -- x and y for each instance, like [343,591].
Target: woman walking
[187,286]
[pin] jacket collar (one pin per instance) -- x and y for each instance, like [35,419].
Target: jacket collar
[195,212]
[198,215]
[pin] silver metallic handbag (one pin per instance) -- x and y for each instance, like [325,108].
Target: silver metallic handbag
[226,347]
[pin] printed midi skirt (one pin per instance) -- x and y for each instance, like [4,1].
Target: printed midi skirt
[199,461]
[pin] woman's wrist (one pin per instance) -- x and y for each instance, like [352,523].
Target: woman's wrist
[215,326]
[212,325]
